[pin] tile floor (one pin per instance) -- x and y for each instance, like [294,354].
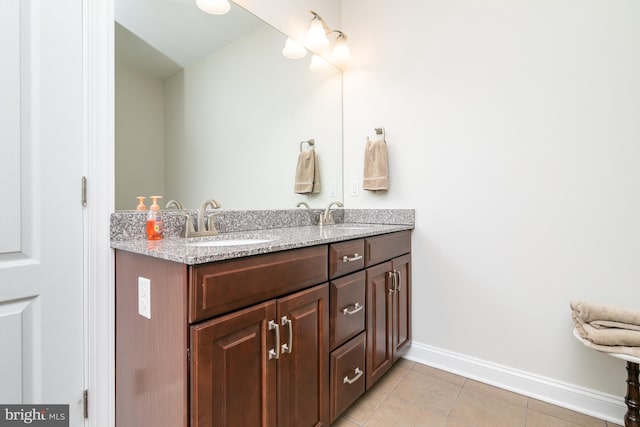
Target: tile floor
[412,394]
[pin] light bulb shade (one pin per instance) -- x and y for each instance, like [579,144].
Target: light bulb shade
[318,63]
[293,50]
[317,36]
[341,52]
[214,7]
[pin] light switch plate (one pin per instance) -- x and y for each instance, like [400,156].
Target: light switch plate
[144,297]
[333,188]
[355,188]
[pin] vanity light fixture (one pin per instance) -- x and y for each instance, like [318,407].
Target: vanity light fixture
[293,49]
[341,52]
[214,7]
[318,41]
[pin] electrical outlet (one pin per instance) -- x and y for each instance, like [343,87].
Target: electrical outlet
[144,297]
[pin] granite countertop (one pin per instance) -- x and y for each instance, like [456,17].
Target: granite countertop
[186,251]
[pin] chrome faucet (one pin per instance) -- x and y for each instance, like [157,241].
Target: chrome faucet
[326,218]
[305,204]
[174,204]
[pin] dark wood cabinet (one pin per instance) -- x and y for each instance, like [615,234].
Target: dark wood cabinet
[232,343]
[264,340]
[303,365]
[385,287]
[401,312]
[264,366]
[379,323]
[151,354]
[232,379]
[388,295]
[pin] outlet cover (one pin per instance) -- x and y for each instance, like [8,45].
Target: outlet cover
[144,297]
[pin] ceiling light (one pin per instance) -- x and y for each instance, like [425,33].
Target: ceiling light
[293,49]
[214,7]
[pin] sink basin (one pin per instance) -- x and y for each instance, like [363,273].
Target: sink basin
[228,242]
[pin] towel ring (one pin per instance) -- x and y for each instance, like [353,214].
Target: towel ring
[310,142]
[381,131]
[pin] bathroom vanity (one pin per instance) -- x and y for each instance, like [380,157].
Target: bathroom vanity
[282,332]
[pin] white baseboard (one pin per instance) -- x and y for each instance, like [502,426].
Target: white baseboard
[596,404]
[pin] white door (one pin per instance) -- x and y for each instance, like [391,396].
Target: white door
[41,216]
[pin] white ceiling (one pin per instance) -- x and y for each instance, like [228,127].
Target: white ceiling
[179,29]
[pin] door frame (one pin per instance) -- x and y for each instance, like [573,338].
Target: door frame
[99,163]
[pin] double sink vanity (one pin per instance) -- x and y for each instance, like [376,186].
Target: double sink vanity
[272,322]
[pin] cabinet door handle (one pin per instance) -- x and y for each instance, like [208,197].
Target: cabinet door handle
[275,353]
[356,308]
[347,380]
[355,257]
[288,347]
[398,281]
[392,279]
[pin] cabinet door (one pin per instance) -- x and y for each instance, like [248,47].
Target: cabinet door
[233,381]
[303,367]
[379,322]
[401,306]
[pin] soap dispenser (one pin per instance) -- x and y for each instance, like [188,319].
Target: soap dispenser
[154,220]
[141,206]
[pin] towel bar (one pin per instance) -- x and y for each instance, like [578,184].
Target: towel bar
[310,142]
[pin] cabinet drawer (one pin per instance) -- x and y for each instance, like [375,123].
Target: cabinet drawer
[347,311]
[347,375]
[382,248]
[346,257]
[221,287]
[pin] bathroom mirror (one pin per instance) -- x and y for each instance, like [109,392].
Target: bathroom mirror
[207,107]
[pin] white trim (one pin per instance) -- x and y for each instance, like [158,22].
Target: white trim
[99,169]
[590,402]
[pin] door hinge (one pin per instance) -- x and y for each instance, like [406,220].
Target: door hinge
[85,403]
[84,191]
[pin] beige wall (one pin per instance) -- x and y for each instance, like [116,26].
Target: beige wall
[139,137]
[514,131]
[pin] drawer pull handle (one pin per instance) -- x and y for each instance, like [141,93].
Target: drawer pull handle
[356,308]
[275,353]
[348,380]
[288,347]
[392,278]
[355,257]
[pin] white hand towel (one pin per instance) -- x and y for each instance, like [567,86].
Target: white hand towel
[307,173]
[376,166]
